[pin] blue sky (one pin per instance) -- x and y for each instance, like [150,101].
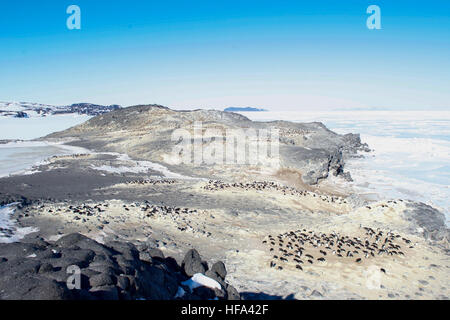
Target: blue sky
[281,55]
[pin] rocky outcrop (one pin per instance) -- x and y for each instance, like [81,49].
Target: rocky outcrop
[39,270]
[6,199]
[427,221]
[21,114]
[193,264]
[86,108]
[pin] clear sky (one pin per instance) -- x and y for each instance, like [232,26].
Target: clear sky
[281,55]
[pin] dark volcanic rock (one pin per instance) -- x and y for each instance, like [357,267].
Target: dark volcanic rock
[16,250]
[32,288]
[192,263]
[155,253]
[6,199]
[45,267]
[204,293]
[220,269]
[70,240]
[102,279]
[42,270]
[105,293]
[233,294]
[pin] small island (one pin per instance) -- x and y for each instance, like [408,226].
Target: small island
[243,109]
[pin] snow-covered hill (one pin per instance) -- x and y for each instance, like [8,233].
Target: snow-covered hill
[32,110]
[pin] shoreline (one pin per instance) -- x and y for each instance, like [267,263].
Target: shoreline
[53,149]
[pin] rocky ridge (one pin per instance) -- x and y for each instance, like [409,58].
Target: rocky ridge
[144,132]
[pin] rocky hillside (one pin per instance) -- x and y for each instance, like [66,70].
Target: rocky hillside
[145,131]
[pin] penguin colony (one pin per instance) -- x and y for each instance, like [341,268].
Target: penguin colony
[99,213]
[217,185]
[154,211]
[150,211]
[304,247]
[176,215]
[151,182]
[78,211]
[295,132]
[72,156]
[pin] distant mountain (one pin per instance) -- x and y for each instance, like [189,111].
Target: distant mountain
[32,110]
[88,108]
[244,109]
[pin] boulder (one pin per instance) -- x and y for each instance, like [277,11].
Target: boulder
[33,288]
[155,253]
[220,269]
[102,279]
[427,218]
[192,263]
[233,294]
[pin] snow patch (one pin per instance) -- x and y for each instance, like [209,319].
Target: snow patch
[136,166]
[200,280]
